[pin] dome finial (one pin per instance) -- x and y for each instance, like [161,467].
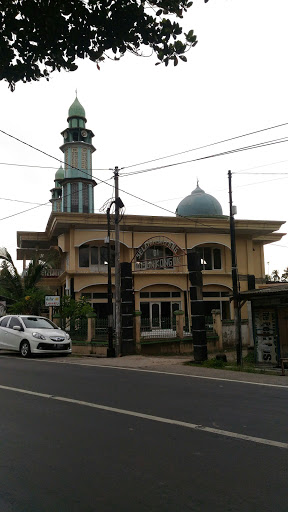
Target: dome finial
[197,182]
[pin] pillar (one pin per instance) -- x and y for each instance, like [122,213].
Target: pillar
[91,318]
[179,323]
[217,326]
[197,307]
[137,330]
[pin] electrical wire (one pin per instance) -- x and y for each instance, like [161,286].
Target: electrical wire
[42,166]
[245,148]
[39,150]
[262,173]
[275,141]
[19,201]
[207,145]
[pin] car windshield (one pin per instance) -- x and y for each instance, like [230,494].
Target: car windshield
[32,322]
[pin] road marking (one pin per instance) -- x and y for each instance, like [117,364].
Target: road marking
[205,377]
[222,379]
[159,419]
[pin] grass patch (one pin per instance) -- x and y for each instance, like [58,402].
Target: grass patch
[248,365]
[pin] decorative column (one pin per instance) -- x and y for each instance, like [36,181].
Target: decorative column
[137,330]
[217,326]
[179,314]
[127,308]
[91,317]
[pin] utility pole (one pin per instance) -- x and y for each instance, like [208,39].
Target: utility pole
[236,300]
[117,266]
[110,350]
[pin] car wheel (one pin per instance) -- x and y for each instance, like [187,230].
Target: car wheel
[25,349]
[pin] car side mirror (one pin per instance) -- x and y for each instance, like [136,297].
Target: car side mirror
[16,328]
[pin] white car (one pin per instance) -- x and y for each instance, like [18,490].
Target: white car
[30,334]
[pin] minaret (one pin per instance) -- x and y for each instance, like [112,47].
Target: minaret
[57,191]
[77,184]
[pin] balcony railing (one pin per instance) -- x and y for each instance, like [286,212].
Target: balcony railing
[48,272]
[52,272]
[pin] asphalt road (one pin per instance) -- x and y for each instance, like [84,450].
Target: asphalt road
[80,438]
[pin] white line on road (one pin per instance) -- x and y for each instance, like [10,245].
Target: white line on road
[192,426]
[177,374]
[184,375]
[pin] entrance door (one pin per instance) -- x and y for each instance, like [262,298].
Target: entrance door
[155,315]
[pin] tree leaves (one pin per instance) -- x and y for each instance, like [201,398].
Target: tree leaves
[38,37]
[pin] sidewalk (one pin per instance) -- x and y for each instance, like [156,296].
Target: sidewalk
[176,365]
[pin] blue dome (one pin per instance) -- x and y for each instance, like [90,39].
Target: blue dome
[199,203]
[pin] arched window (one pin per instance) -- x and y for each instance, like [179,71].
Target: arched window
[92,255]
[210,257]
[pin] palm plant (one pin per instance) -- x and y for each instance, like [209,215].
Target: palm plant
[284,276]
[275,275]
[22,291]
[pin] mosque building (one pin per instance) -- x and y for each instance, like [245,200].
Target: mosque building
[157,246]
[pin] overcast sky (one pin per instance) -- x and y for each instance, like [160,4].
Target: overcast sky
[235,82]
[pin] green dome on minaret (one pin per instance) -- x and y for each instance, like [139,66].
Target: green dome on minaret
[59,174]
[199,204]
[76,109]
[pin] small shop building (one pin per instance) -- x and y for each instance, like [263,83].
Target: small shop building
[270,322]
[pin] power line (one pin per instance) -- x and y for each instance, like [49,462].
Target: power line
[24,211]
[236,150]
[147,170]
[46,154]
[259,182]
[42,166]
[19,201]
[207,145]
[262,173]
[263,165]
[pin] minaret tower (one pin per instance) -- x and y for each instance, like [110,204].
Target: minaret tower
[77,183]
[57,191]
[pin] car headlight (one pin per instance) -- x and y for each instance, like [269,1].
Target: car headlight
[67,336]
[38,336]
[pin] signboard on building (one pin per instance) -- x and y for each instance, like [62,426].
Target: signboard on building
[52,300]
[158,253]
[265,324]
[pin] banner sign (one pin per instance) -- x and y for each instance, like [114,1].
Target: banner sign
[158,252]
[265,323]
[159,240]
[52,300]
[157,263]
